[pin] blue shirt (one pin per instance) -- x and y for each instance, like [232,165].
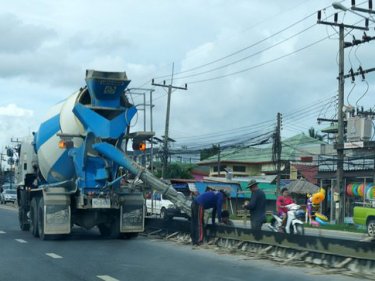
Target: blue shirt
[211,199]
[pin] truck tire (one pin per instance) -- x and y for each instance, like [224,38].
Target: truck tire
[163,213]
[23,220]
[130,235]
[105,230]
[42,235]
[34,217]
[371,228]
[22,212]
[110,231]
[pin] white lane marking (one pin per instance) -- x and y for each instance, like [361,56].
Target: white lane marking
[2,232]
[21,240]
[54,256]
[107,278]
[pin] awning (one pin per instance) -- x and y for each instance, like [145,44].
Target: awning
[302,187]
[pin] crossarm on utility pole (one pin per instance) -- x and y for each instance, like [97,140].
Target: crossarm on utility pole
[166,133]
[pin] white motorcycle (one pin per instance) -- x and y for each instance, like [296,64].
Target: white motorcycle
[294,225]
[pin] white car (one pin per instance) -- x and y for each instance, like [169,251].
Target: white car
[8,195]
[157,205]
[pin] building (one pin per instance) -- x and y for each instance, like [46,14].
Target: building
[298,158]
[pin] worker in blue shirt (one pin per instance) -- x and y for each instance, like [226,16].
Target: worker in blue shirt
[207,200]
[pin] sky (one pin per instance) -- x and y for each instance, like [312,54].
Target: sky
[243,62]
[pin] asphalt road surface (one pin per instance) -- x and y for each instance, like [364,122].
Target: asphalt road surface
[84,255]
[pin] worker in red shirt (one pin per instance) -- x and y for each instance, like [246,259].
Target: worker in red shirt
[282,201]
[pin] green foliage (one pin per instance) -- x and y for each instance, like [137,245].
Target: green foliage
[177,171]
[208,152]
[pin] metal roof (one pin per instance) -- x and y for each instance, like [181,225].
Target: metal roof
[302,187]
[292,149]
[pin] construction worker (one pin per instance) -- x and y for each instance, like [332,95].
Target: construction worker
[257,206]
[207,200]
[225,220]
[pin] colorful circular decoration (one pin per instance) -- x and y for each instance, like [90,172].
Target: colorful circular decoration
[361,190]
[322,222]
[355,189]
[321,216]
[370,194]
[349,190]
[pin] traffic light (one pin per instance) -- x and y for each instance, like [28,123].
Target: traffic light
[139,146]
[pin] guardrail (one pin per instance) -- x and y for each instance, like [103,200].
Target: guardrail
[332,253]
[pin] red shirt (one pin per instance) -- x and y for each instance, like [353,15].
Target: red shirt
[281,202]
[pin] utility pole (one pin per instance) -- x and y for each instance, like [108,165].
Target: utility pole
[166,133]
[340,117]
[278,150]
[340,113]
[218,160]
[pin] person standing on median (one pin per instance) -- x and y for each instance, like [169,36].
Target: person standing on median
[257,206]
[207,200]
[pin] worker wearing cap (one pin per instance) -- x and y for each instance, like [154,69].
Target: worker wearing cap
[257,206]
[207,200]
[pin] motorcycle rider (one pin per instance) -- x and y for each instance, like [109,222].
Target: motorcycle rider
[282,201]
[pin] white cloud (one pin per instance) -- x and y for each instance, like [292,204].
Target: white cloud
[13,110]
[15,123]
[51,43]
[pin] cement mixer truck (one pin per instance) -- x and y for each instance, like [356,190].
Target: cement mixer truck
[71,170]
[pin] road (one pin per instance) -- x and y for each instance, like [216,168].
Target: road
[87,256]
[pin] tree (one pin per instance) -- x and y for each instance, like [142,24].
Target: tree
[177,171]
[314,134]
[208,152]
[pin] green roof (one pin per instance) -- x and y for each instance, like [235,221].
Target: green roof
[292,148]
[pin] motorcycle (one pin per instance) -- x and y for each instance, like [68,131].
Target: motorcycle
[294,224]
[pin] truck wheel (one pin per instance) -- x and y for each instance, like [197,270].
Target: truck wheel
[163,213]
[34,217]
[104,230]
[129,235]
[115,228]
[22,212]
[110,231]
[371,228]
[22,218]
[42,235]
